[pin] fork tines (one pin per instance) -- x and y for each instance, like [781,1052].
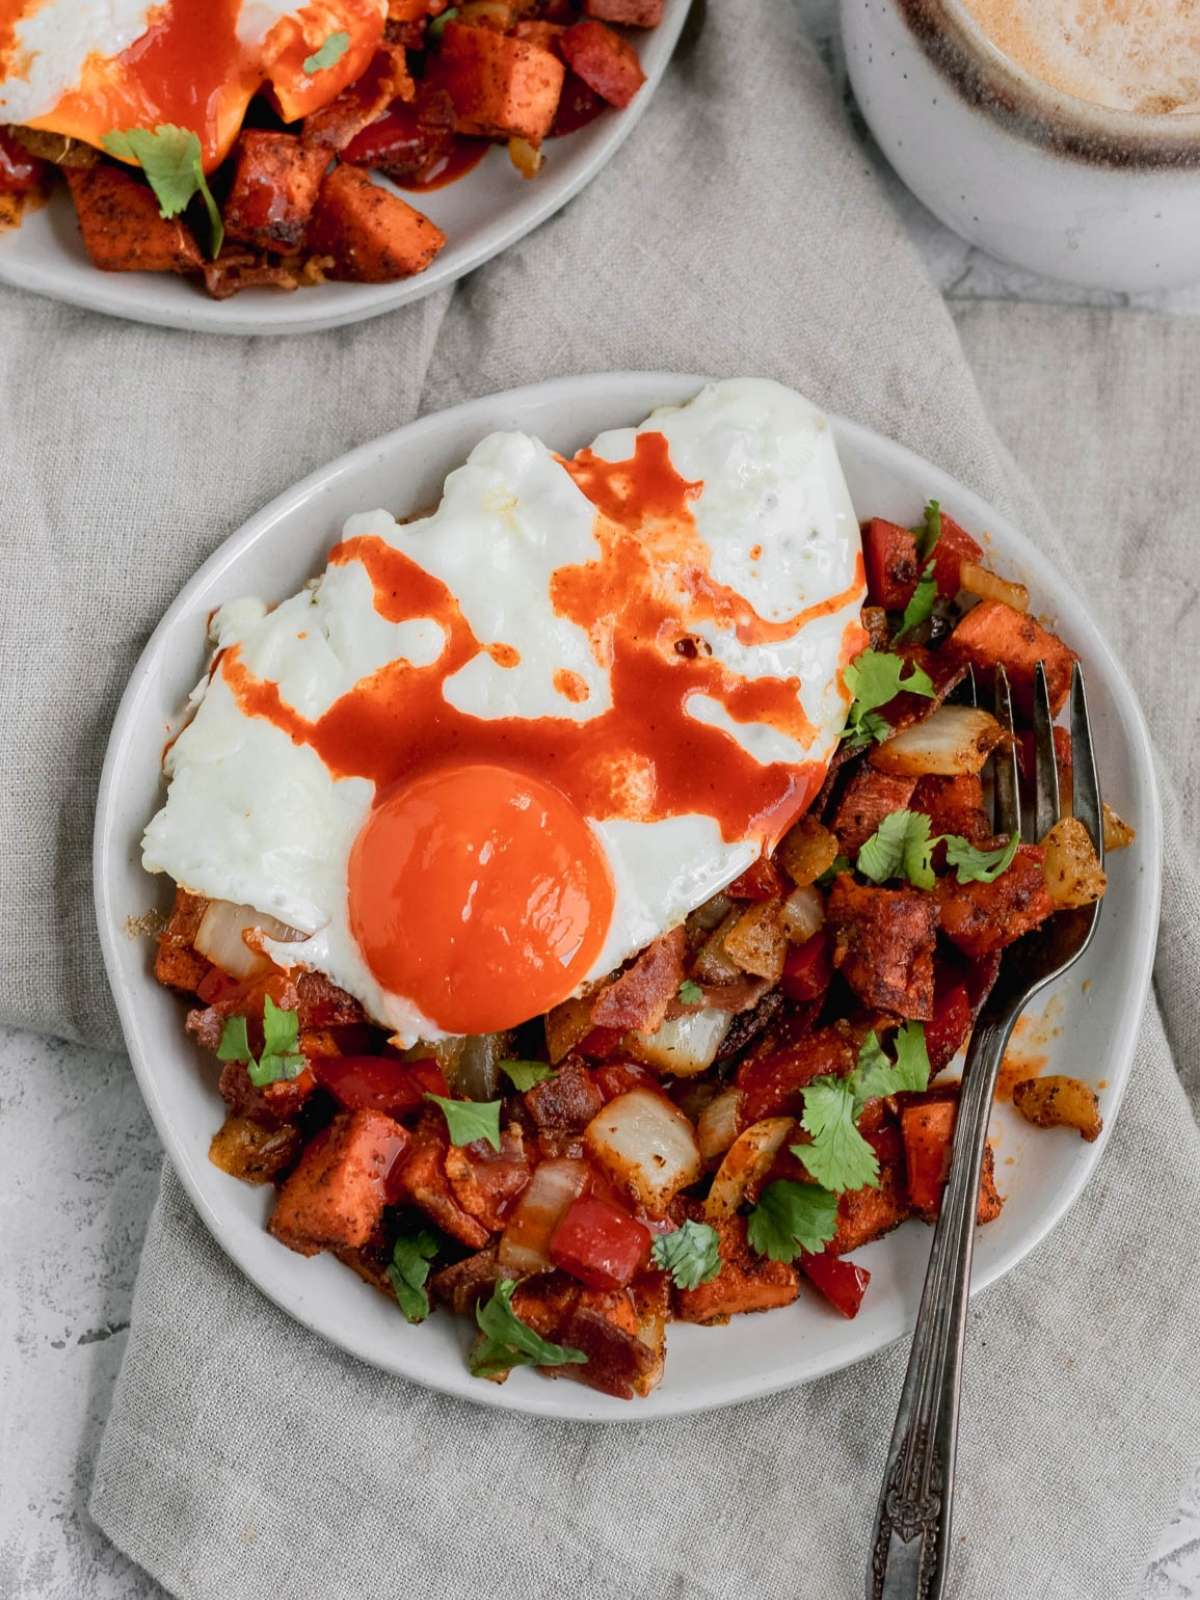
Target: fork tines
[1049,802]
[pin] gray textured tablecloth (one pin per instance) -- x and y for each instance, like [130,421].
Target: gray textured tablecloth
[740,230]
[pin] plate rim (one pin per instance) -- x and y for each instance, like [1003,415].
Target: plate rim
[558,1402]
[115,294]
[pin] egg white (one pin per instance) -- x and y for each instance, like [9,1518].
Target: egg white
[253,818]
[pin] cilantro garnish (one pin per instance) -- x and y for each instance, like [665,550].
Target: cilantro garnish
[838,1157]
[330,53]
[930,529]
[902,847]
[691,994]
[899,848]
[979,866]
[469,1120]
[524,1074]
[691,1254]
[409,1270]
[434,30]
[920,608]
[509,1342]
[791,1217]
[279,1059]
[170,158]
[874,678]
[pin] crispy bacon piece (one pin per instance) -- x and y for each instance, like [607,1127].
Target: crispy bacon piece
[467,1282]
[606,1324]
[565,1103]
[335,1197]
[982,918]
[868,798]
[883,944]
[606,62]
[237,268]
[639,998]
[746,1281]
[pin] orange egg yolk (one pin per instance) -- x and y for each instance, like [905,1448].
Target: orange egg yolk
[479,893]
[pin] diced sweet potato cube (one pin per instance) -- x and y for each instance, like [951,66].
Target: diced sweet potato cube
[927,1125]
[122,228]
[177,963]
[773,1077]
[422,1179]
[994,634]
[746,1281]
[868,1213]
[893,567]
[983,917]
[275,184]
[869,797]
[631,13]
[335,1197]
[953,805]
[607,63]
[883,943]
[503,87]
[610,1326]
[373,236]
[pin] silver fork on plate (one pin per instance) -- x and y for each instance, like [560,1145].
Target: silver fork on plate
[910,1549]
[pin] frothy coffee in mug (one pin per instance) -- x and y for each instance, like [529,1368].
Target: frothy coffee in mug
[1134,55]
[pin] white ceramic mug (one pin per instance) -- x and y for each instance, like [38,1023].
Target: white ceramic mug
[1070,189]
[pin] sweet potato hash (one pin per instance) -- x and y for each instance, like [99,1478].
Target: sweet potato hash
[290,201]
[718,1126]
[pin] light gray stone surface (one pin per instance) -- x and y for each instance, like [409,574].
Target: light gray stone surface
[79,1163]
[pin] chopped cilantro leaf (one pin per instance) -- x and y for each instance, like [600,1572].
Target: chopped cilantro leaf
[930,530]
[874,678]
[838,1157]
[920,608]
[409,1270]
[899,847]
[469,1120]
[280,1057]
[330,53]
[524,1074]
[791,1217]
[875,1076]
[691,993]
[979,866]
[436,24]
[171,159]
[508,1342]
[691,1254]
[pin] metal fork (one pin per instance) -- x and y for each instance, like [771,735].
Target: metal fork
[910,1550]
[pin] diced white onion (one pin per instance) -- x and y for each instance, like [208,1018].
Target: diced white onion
[220,938]
[986,585]
[525,1243]
[955,739]
[686,1045]
[646,1145]
[748,1158]
[718,1125]
[803,914]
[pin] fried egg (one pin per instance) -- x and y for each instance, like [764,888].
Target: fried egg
[87,70]
[491,753]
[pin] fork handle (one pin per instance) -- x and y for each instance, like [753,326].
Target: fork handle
[911,1544]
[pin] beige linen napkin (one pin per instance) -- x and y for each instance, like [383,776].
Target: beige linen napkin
[739,231]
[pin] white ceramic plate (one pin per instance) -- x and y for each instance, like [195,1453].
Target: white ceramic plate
[481,214]
[271,556]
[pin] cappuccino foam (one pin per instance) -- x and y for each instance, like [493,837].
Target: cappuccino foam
[1133,55]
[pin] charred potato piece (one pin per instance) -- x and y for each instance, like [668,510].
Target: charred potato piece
[1058,1102]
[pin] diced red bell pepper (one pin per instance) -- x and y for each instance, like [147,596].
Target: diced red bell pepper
[928,1130]
[600,1244]
[947,1028]
[890,557]
[955,545]
[841,1282]
[598,1044]
[762,880]
[20,172]
[379,1083]
[408,139]
[807,969]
